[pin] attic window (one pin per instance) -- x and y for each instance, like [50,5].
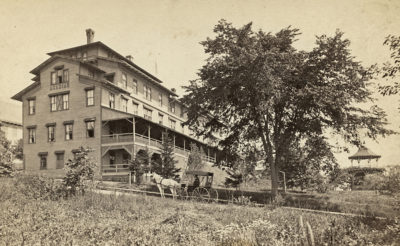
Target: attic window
[59,76]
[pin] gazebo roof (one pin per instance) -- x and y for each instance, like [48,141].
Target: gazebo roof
[364,153]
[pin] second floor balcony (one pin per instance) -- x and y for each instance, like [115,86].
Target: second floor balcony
[59,86]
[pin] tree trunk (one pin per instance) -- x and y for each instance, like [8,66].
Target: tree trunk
[274,179]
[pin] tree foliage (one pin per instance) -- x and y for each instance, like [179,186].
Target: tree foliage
[80,172]
[18,149]
[140,164]
[195,161]
[6,156]
[256,87]
[304,163]
[165,166]
[391,69]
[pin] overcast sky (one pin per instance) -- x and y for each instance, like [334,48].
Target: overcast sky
[167,33]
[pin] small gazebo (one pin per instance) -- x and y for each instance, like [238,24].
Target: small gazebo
[364,153]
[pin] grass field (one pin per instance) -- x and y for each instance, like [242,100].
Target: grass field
[361,202]
[98,219]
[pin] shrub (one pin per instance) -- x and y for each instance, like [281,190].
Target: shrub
[80,172]
[6,156]
[393,180]
[374,181]
[39,187]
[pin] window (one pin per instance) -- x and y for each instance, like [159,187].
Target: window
[112,100]
[59,102]
[147,113]
[160,118]
[147,92]
[43,162]
[135,86]
[160,99]
[182,114]
[53,78]
[124,104]
[124,80]
[90,129]
[172,107]
[59,159]
[84,55]
[69,131]
[59,76]
[32,135]
[91,73]
[172,124]
[135,107]
[65,100]
[31,105]
[66,75]
[90,97]
[51,133]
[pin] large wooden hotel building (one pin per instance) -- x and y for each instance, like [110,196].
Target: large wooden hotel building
[92,96]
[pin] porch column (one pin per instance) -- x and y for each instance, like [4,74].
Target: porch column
[208,152]
[148,132]
[174,141]
[184,145]
[215,156]
[134,137]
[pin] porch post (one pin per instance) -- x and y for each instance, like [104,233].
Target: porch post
[148,132]
[174,140]
[184,145]
[134,136]
[133,155]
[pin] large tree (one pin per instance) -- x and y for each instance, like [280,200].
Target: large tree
[391,69]
[256,87]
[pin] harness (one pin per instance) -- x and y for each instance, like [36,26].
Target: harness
[160,181]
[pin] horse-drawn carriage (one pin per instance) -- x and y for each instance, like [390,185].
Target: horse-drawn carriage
[197,185]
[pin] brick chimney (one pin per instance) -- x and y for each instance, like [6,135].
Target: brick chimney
[89,35]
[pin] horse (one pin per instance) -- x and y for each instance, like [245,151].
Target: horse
[163,183]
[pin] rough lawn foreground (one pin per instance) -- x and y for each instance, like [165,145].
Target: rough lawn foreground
[97,219]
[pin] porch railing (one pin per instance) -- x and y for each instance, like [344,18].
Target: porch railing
[59,86]
[115,168]
[117,138]
[128,137]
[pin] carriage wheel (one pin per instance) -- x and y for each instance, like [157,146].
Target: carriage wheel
[201,194]
[182,194]
[214,195]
